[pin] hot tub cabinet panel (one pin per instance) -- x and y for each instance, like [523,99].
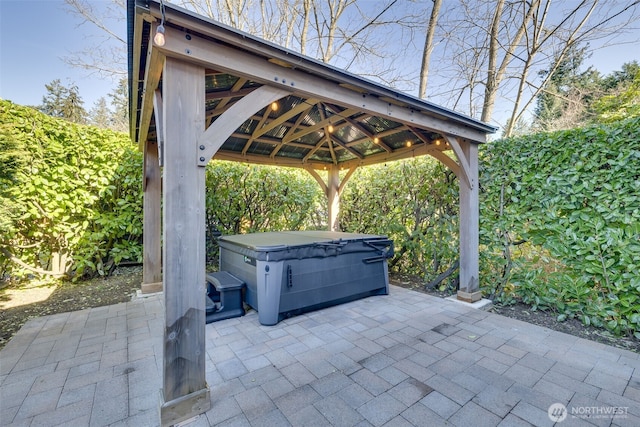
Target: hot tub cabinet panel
[287,273]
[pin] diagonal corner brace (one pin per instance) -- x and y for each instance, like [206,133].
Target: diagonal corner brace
[465,166]
[212,139]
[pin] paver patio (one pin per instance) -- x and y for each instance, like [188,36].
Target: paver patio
[407,359]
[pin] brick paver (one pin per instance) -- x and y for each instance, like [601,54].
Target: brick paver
[398,360]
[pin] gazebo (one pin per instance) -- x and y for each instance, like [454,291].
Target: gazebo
[205,91]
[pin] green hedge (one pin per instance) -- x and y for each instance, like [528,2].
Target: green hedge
[415,202]
[560,222]
[71,199]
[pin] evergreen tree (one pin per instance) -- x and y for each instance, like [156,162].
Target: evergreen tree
[63,102]
[569,93]
[100,115]
[52,101]
[624,77]
[623,100]
[120,105]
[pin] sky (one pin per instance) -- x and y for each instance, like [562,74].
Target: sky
[35,35]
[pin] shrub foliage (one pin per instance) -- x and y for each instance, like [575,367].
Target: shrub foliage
[71,200]
[412,201]
[560,222]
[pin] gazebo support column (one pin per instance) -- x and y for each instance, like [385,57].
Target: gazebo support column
[333,198]
[185,393]
[469,224]
[332,189]
[152,251]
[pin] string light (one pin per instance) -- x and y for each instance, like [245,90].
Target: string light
[330,128]
[438,142]
[408,143]
[158,39]
[376,140]
[274,106]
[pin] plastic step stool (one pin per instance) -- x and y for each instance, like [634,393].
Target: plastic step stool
[226,288]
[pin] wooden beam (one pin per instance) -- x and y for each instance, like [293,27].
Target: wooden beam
[332,151]
[222,105]
[185,392]
[346,178]
[213,138]
[462,159]
[447,161]
[343,145]
[380,135]
[233,156]
[231,93]
[152,221]
[400,153]
[256,68]
[263,119]
[135,80]
[313,150]
[333,120]
[371,136]
[284,117]
[291,131]
[318,178]
[153,71]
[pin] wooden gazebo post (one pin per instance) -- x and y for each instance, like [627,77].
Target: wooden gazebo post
[185,392]
[152,250]
[469,224]
[332,189]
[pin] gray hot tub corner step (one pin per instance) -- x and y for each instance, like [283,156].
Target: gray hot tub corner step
[227,290]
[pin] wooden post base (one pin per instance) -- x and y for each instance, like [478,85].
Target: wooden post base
[184,407]
[151,288]
[469,297]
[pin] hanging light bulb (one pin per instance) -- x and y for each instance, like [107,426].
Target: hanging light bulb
[158,39]
[274,106]
[438,142]
[376,140]
[408,143]
[330,128]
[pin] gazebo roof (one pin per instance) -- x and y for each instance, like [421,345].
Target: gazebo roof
[320,115]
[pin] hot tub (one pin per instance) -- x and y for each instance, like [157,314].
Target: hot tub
[290,272]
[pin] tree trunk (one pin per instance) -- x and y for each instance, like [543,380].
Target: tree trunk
[428,47]
[491,88]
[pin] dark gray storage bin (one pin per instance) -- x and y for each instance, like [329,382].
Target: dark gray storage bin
[290,272]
